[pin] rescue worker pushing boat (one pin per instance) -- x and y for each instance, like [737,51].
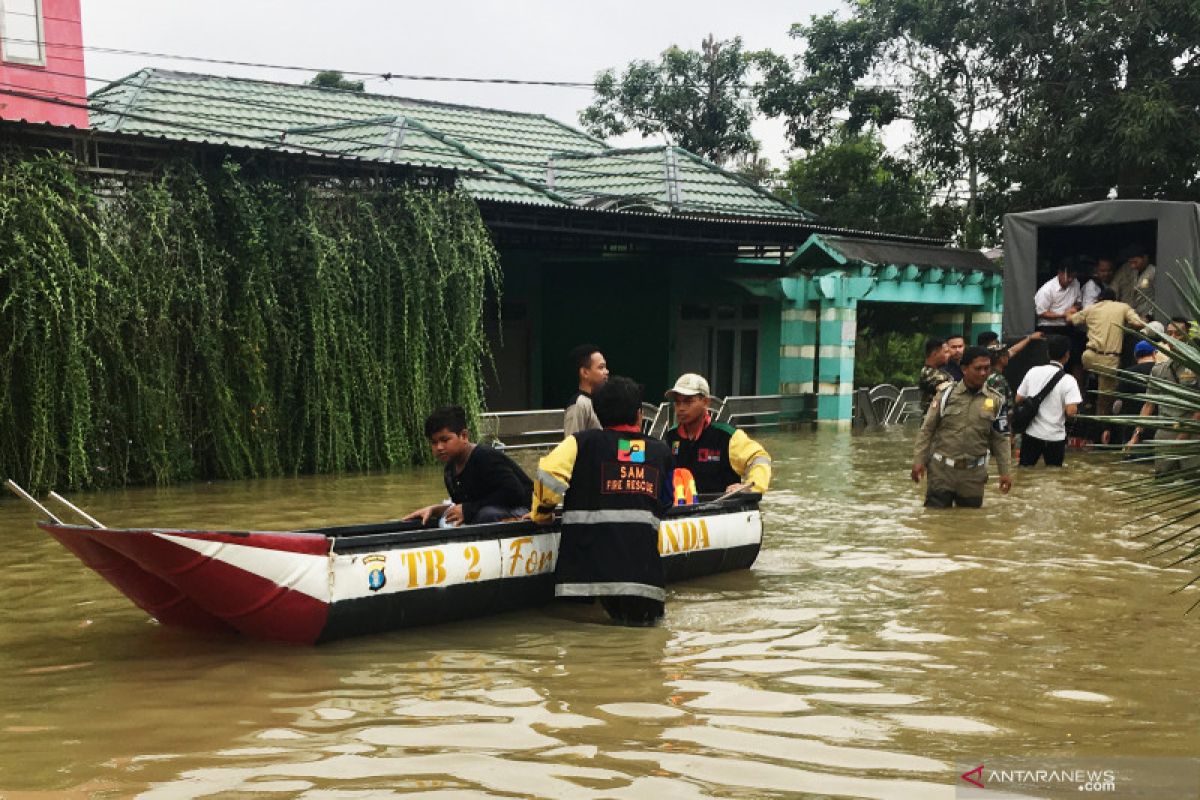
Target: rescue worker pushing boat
[614,484]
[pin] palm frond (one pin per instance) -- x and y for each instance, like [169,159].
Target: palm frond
[1167,497]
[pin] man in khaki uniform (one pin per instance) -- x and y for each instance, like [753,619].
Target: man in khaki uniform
[1134,281]
[964,423]
[1104,319]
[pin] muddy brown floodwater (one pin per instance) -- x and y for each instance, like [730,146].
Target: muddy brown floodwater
[872,647]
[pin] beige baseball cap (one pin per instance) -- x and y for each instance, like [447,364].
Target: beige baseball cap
[688,384]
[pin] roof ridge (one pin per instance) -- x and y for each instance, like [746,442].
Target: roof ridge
[573,129]
[610,151]
[120,81]
[491,164]
[158,71]
[761,191]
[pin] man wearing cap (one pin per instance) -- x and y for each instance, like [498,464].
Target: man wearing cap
[1104,320]
[720,457]
[1131,387]
[965,422]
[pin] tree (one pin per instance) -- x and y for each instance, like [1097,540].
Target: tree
[1010,104]
[922,62]
[332,79]
[1103,101]
[693,99]
[852,181]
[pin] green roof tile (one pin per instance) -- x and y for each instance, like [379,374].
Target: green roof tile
[501,155]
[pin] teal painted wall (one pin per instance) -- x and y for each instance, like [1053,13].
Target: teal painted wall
[770,346]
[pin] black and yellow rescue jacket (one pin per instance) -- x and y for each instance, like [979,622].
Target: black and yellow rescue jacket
[614,484]
[721,456]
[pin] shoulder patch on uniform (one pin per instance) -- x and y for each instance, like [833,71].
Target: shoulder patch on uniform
[725,427]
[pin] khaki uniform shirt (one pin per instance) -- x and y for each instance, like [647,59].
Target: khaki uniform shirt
[1123,283]
[1143,293]
[970,425]
[1170,371]
[1104,320]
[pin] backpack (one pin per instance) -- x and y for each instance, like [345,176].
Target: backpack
[1023,413]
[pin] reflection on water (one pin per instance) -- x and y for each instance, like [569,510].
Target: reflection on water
[872,646]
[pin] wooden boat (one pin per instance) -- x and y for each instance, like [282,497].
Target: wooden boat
[318,585]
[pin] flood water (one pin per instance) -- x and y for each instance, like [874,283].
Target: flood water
[872,647]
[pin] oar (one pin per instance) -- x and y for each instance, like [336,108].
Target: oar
[24,495]
[94,522]
[741,487]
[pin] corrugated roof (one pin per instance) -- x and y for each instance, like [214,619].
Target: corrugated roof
[884,253]
[502,155]
[666,178]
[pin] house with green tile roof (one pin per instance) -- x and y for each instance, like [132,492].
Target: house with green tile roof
[501,155]
[668,262]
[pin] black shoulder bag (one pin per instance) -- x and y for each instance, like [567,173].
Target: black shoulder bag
[1024,411]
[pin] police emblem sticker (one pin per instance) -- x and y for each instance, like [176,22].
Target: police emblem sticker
[376,577]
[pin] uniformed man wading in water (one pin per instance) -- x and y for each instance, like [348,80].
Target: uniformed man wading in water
[964,423]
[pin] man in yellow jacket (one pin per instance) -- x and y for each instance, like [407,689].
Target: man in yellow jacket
[720,456]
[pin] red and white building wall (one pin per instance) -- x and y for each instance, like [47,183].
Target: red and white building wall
[41,62]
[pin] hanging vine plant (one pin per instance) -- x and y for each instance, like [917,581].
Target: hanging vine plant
[189,325]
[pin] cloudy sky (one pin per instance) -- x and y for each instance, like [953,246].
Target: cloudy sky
[557,40]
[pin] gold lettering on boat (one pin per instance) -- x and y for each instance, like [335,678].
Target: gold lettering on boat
[683,536]
[472,555]
[529,561]
[435,567]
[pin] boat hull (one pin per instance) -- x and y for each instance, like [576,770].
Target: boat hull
[316,586]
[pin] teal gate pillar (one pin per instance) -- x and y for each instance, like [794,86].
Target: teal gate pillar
[837,332]
[797,341]
[989,316]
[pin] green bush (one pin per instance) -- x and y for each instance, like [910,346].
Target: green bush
[883,356]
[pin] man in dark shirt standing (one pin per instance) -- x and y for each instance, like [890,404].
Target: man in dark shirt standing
[955,343]
[484,484]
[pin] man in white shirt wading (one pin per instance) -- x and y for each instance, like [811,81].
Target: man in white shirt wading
[1046,436]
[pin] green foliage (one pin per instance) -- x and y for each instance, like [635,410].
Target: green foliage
[1167,499]
[851,181]
[332,79]
[1102,98]
[890,345]
[693,98]
[920,62]
[1008,105]
[891,357]
[229,325]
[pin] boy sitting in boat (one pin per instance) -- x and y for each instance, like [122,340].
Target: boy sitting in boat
[614,484]
[484,484]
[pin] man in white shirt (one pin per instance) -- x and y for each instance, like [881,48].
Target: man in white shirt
[1046,436]
[1101,280]
[1057,300]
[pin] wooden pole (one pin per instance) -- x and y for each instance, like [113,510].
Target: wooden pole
[24,495]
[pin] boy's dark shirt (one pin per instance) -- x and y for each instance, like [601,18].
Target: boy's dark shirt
[489,478]
[1131,407]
